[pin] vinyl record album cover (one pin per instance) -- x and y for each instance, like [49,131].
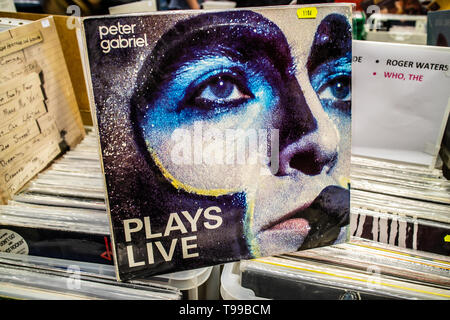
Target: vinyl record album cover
[224,135]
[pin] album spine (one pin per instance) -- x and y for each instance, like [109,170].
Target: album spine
[90,91]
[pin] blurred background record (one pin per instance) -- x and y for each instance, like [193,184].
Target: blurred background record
[359,270]
[28,277]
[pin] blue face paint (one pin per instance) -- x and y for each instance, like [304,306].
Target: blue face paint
[196,92]
[332,82]
[329,64]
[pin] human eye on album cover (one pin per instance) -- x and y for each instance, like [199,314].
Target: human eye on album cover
[237,145]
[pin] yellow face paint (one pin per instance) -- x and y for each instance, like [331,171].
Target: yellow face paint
[249,214]
[344,182]
[180,185]
[251,238]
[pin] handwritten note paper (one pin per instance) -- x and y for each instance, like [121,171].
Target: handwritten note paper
[29,138]
[13,45]
[22,69]
[38,110]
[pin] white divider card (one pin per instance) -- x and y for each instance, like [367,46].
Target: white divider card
[400,101]
[38,109]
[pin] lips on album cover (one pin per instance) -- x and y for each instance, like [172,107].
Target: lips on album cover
[225,135]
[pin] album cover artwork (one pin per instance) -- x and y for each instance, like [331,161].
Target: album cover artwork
[224,135]
[74,245]
[404,232]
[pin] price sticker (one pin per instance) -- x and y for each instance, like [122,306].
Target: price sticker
[307,13]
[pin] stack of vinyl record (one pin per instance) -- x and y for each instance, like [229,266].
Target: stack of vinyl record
[361,269]
[399,204]
[54,237]
[399,179]
[399,249]
[61,213]
[33,277]
[57,227]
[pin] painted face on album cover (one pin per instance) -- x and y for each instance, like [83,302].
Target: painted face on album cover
[230,76]
[226,110]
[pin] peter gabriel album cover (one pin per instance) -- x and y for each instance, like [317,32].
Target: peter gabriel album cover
[225,135]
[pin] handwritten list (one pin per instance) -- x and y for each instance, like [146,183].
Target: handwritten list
[38,110]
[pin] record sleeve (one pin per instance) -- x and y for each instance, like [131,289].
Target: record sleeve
[38,278]
[307,279]
[61,243]
[224,135]
[438,34]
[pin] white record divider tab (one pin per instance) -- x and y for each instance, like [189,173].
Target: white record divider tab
[400,101]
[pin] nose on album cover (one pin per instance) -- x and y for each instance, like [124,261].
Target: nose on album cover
[225,135]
